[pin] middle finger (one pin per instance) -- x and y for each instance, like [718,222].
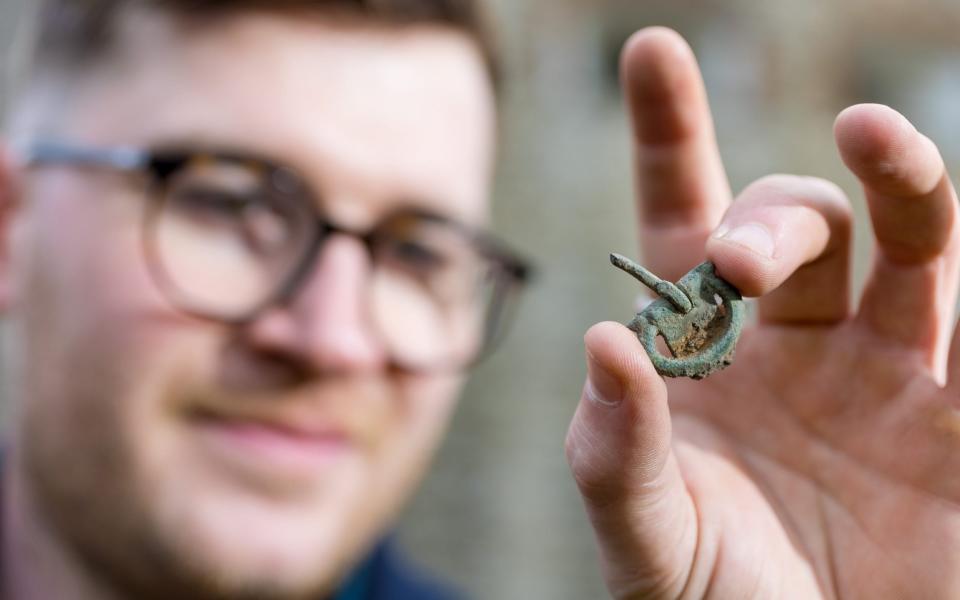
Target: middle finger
[682,189]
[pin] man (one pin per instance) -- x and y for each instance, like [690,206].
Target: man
[244,271]
[824,463]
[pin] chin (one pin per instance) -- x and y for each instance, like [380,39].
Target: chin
[241,547]
[237,538]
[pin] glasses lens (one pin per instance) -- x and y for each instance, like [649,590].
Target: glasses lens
[226,234]
[430,291]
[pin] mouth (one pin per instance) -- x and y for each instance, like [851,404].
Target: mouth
[272,445]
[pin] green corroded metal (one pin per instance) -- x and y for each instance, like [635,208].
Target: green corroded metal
[700,319]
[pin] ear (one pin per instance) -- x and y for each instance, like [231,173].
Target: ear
[10,190]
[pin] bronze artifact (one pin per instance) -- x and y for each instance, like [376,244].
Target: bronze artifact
[700,318]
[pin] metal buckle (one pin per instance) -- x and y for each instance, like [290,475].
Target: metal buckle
[700,318]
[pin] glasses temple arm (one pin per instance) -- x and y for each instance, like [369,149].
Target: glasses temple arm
[38,153]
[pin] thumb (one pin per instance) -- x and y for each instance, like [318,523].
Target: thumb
[619,450]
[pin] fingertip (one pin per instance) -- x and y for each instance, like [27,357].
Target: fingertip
[621,429]
[886,151]
[871,133]
[662,81]
[656,45]
[778,224]
[860,115]
[752,273]
[616,349]
[600,333]
[618,367]
[912,202]
[748,252]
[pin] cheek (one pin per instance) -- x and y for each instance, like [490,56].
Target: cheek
[436,400]
[78,252]
[84,291]
[420,419]
[102,265]
[427,403]
[94,333]
[70,265]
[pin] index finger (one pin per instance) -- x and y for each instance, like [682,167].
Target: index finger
[682,189]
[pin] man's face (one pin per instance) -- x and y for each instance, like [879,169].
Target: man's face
[267,456]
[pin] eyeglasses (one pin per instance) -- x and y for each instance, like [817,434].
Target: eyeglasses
[227,236]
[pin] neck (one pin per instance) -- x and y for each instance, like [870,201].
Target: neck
[36,563]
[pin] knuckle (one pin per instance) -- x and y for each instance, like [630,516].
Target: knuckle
[822,195]
[827,192]
[916,232]
[889,155]
[781,182]
[598,491]
[769,188]
[895,177]
[906,249]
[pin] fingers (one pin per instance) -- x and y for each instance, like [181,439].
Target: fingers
[911,294]
[682,189]
[912,206]
[787,238]
[619,450]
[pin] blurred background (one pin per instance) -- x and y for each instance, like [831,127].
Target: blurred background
[499,514]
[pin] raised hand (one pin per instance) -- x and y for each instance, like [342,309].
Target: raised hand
[825,463]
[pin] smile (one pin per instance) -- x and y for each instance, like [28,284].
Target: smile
[281,448]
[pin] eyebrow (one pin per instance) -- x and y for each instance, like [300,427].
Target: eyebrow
[424,207]
[130,157]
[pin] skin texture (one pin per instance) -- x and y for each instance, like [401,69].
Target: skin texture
[115,487]
[823,463]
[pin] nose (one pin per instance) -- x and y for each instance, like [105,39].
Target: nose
[325,325]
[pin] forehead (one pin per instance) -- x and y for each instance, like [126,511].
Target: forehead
[372,115]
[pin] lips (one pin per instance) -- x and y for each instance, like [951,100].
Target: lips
[274,444]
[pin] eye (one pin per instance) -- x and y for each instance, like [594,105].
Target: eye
[416,255]
[212,201]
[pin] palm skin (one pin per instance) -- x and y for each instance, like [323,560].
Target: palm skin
[831,485]
[825,463]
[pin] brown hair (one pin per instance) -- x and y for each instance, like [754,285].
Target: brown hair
[74,33]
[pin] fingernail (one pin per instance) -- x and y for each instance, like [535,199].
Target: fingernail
[602,387]
[753,236]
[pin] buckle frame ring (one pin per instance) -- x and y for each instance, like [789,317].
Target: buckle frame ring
[700,318]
